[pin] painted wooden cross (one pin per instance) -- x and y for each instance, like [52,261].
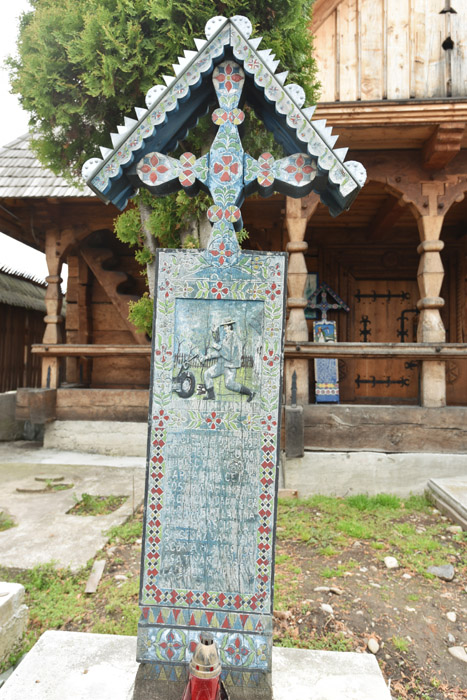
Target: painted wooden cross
[325,331]
[227,172]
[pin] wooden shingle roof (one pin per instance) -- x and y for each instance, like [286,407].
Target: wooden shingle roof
[22,291]
[22,175]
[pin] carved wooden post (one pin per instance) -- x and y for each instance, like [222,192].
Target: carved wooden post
[430,278]
[296,217]
[53,303]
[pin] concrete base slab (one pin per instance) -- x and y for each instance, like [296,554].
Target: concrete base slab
[348,473]
[104,437]
[450,496]
[27,452]
[80,666]
[44,530]
[13,617]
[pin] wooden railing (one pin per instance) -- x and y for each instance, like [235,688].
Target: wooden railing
[415,351]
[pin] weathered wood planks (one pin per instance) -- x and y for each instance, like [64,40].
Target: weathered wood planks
[390,49]
[385,428]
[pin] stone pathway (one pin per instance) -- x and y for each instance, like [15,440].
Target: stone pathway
[44,531]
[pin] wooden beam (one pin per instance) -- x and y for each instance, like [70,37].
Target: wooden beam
[387,215]
[414,351]
[322,9]
[389,112]
[308,350]
[443,145]
[77,350]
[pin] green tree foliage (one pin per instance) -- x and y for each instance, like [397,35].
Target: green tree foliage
[83,64]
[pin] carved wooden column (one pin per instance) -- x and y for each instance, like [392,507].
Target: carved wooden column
[430,278]
[298,213]
[53,303]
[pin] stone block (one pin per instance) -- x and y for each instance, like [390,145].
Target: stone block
[13,617]
[79,666]
[10,428]
[348,473]
[116,438]
[450,496]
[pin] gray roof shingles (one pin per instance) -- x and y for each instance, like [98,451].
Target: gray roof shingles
[16,290]
[21,175]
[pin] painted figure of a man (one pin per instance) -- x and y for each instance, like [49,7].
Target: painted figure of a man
[227,349]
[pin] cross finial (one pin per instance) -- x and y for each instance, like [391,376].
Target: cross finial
[227,172]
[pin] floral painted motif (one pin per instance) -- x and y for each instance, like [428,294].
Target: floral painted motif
[219,290]
[236,651]
[171,645]
[228,77]
[213,420]
[226,167]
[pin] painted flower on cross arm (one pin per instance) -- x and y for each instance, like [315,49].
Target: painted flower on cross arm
[300,169]
[226,166]
[228,75]
[153,167]
[221,253]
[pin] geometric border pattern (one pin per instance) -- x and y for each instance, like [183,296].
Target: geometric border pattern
[175,645]
[172,618]
[185,617]
[187,274]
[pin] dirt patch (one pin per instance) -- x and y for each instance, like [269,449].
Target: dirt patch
[351,601]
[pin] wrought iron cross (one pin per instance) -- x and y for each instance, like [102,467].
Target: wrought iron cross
[227,172]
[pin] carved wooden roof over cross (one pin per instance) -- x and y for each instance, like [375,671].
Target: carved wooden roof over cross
[141,146]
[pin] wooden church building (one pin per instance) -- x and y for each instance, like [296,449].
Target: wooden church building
[393,79]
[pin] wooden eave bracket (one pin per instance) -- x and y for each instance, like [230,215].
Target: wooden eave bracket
[443,145]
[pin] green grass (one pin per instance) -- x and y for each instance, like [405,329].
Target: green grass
[372,503]
[287,579]
[332,641]
[400,643]
[53,598]
[128,533]
[328,551]
[97,505]
[5,521]
[381,521]
[56,598]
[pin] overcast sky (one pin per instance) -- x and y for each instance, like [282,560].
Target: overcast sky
[14,123]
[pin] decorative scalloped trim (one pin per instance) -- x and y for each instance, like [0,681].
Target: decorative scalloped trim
[288,101]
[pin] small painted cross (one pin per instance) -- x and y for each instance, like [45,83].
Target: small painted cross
[319,300]
[226,171]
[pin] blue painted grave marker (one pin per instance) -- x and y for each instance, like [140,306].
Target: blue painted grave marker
[213,444]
